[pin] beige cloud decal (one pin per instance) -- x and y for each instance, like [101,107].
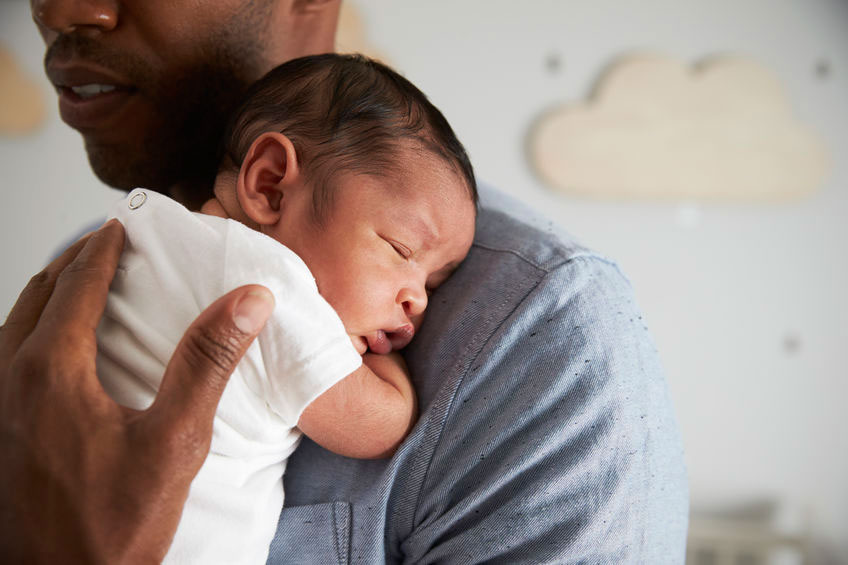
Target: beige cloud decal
[21,100]
[722,129]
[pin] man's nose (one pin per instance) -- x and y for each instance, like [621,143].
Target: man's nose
[66,16]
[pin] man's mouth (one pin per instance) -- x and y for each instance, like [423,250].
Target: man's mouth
[86,91]
[93,107]
[84,79]
[89,97]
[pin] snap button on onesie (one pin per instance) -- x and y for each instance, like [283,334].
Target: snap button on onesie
[137,200]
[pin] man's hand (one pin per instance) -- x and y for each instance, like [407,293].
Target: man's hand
[81,478]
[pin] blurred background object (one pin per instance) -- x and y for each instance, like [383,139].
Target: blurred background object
[749,532]
[746,297]
[22,108]
[352,34]
[722,129]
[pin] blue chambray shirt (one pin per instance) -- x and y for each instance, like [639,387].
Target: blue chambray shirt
[546,432]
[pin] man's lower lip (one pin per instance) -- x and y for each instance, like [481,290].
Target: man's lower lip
[87,113]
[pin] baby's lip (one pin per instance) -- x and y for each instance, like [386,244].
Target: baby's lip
[382,342]
[379,343]
[401,336]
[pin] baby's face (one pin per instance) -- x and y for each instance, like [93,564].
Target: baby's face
[384,246]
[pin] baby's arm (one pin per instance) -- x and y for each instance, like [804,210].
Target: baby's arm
[368,413]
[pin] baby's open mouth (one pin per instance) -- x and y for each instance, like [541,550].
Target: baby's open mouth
[382,342]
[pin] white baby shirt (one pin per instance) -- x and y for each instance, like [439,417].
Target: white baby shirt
[176,263]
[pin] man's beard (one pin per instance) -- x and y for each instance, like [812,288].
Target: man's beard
[180,148]
[176,151]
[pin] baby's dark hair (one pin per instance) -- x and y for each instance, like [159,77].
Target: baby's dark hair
[343,113]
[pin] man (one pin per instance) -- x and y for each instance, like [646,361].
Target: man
[546,433]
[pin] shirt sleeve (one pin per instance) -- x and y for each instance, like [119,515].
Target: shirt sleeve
[303,349]
[561,445]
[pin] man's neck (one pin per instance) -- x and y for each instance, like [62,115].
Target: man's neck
[191,195]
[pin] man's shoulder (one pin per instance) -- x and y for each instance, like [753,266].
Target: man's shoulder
[535,363]
[518,248]
[506,225]
[523,285]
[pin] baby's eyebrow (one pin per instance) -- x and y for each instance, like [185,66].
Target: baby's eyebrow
[420,225]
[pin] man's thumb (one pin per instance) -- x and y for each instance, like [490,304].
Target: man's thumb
[206,356]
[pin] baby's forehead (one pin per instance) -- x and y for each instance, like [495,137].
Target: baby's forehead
[417,188]
[411,165]
[428,198]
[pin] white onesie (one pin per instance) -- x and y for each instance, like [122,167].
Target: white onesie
[176,263]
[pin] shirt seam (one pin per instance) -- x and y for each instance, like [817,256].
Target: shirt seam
[545,265]
[336,534]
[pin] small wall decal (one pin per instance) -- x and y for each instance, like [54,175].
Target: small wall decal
[722,129]
[22,108]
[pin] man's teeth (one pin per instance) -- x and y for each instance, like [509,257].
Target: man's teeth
[89,90]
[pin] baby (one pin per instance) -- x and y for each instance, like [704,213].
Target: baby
[345,192]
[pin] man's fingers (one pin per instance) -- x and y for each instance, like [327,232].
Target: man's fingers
[30,304]
[76,305]
[80,292]
[203,361]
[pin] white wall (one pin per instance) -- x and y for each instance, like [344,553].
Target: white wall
[748,305]
[48,191]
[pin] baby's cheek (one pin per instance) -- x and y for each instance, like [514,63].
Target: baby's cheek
[353,308]
[417,320]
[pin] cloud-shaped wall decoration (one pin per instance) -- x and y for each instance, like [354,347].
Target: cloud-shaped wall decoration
[21,100]
[722,129]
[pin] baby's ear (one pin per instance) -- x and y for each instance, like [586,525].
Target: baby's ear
[269,170]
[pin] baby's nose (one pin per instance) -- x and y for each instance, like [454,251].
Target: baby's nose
[413,300]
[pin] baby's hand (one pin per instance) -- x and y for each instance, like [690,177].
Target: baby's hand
[359,343]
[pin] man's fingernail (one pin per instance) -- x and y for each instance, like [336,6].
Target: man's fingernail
[253,310]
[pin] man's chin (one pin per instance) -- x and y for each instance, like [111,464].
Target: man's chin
[187,179]
[112,168]
[126,167]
